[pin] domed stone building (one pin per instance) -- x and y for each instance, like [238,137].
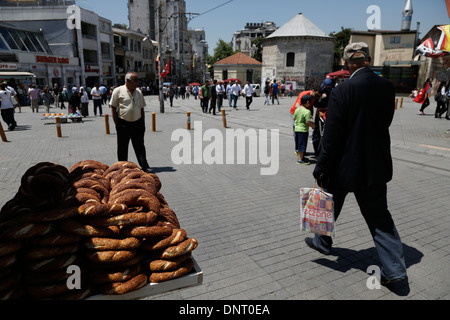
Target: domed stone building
[298,52]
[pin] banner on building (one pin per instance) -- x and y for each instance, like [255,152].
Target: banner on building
[439,48]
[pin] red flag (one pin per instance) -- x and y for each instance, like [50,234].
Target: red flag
[166,70]
[448,7]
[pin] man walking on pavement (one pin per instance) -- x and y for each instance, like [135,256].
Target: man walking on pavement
[96,94]
[127,105]
[248,92]
[356,157]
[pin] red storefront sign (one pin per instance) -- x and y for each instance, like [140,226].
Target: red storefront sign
[48,59]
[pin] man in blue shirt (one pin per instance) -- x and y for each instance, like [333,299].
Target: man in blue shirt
[275,92]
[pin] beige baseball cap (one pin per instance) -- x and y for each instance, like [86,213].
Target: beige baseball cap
[356,50]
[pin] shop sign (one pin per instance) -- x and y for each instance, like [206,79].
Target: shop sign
[92,69]
[48,59]
[8,66]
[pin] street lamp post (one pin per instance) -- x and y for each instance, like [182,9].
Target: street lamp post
[160,62]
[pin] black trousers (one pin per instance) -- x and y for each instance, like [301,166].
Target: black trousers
[425,104]
[135,132]
[8,117]
[204,104]
[212,106]
[219,102]
[98,105]
[248,102]
[374,208]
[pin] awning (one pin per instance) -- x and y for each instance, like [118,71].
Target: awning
[339,74]
[16,75]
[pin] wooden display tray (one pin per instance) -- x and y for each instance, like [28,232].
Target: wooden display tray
[195,278]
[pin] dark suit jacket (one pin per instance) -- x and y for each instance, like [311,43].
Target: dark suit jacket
[356,150]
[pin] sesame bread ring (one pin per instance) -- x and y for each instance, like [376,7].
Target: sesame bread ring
[93,185]
[53,264]
[117,176]
[119,288]
[56,239]
[116,275]
[183,270]
[111,256]
[40,253]
[9,246]
[27,231]
[46,291]
[137,197]
[132,184]
[9,282]
[116,265]
[73,226]
[128,219]
[89,165]
[8,261]
[175,251]
[119,166]
[168,265]
[104,244]
[156,179]
[100,210]
[33,278]
[167,214]
[177,236]
[147,232]
[41,217]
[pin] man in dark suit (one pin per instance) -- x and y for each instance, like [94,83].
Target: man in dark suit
[356,157]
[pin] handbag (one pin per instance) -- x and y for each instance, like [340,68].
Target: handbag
[317,211]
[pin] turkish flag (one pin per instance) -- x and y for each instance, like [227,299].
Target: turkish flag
[448,7]
[166,70]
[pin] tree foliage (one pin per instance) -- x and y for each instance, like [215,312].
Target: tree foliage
[223,50]
[259,48]
[342,40]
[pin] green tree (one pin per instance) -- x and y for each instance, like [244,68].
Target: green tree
[259,48]
[342,40]
[223,50]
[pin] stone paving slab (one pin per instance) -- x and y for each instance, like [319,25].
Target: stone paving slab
[248,224]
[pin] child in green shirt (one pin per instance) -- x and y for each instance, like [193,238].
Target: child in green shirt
[302,119]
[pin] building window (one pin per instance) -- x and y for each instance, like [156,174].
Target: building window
[250,75]
[396,39]
[23,41]
[290,59]
[224,74]
[106,52]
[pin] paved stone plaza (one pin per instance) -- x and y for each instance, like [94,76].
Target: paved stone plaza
[247,224]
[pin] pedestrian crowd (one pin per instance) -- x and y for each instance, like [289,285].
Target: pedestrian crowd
[441,97]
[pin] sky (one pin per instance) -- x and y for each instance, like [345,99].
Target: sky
[329,15]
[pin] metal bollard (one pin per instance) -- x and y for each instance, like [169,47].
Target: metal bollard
[153,122]
[396,103]
[224,118]
[2,134]
[107,124]
[401,104]
[58,127]
[189,121]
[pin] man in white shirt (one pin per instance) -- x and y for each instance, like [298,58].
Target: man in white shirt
[33,95]
[235,92]
[96,94]
[7,107]
[220,89]
[127,105]
[248,92]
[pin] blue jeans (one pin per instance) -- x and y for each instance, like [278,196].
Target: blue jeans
[373,205]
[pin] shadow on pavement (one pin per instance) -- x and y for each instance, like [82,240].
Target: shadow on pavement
[351,259]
